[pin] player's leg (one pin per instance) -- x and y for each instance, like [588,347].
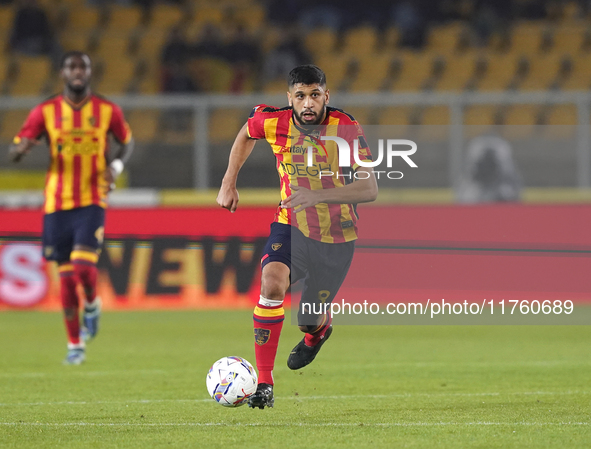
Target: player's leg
[88,238]
[57,245]
[331,263]
[269,314]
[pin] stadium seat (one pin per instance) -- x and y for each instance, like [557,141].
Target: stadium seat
[568,38]
[435,115]
[360,41]
[459,70]
[75,40]
[3,71]
[389,41]
[225,123]
[11,122]
[112,45]
[320,41]
[208,14]
[520,121]
[501,69]
[372,71]
[151,44]
[117,76]
[335,67]
[562,115]
[526,37]
[543,70]
[278,86]
[250,16]
[445,39]
[580,78]
[164,17]
[6,20]
[83,18]
[479,119]
[150,81]
[361,114]
[396,115]
[33,74]
[124,18]
[144,124]
[416,70]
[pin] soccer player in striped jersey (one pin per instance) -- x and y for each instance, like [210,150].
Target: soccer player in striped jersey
[76,125]
[312,237]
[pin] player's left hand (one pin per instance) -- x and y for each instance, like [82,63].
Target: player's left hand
[300,198]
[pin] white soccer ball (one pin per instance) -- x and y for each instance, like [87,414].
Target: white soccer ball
[231,380]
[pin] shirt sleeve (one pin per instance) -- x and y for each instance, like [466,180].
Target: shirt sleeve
[255,126]
[119,126]
[34,126]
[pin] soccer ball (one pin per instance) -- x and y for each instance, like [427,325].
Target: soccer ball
[231,380]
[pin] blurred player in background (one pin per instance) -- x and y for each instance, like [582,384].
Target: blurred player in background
[313,235]
[76,125]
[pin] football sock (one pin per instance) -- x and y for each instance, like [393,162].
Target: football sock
[268,321]
[70,303]
[85,267]
[314,337]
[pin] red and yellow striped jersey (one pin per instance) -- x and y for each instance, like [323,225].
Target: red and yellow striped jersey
[79,146]
[330,223]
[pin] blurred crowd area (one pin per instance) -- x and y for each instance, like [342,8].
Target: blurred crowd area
[248,46]
[240,46]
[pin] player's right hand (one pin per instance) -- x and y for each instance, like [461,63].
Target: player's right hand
[228,198]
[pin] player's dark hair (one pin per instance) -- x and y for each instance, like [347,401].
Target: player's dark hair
[306,74]
[71,53]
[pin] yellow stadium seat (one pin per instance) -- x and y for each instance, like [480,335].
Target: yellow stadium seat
[580,78]
[499,72]
[3,70]
[151,44]
[395,115]
[112,45]
[225,123]
[360,41]
[117,76]
[250,16]
[335,68]
[568,39]
[124,18]
[459,69]
[542,72]
[75,40]
[33,74]
[83,18]
[6,20]
[520,121]
[389,40]
[278,86]
[416,69]
[11,123]
[479,115]
[208,14]
[562,115]
[373,69]
[445,38]
[526,37]
[435,115]
[150,82]
[165,16]
[144,124]
[321,41]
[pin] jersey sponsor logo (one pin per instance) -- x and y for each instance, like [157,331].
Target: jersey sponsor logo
[276,246]
[346,224]
[261,336]
[302,169]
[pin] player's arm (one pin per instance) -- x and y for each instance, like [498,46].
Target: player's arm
[118,163]
[243,145]
[120,130]
[28,136]
[360,191]
[16,151]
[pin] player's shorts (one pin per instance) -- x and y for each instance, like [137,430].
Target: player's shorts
[65,228]
[321,266]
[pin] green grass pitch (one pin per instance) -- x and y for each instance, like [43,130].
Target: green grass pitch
[143,385]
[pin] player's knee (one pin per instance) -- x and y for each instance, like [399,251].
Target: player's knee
[274,284]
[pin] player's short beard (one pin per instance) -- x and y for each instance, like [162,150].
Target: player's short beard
[318,120]
[78,89]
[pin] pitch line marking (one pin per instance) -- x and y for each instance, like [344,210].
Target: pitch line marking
[300,398]
[358,424]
